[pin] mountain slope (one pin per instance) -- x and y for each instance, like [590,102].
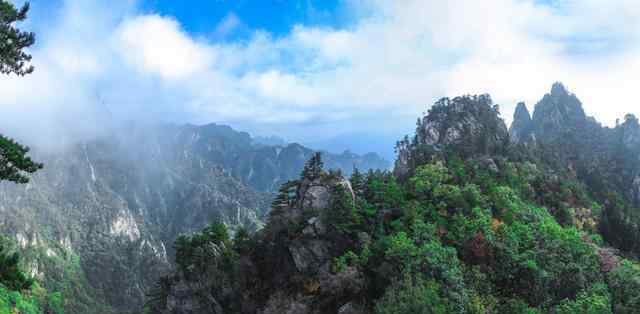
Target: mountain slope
[99,222]
[471,221]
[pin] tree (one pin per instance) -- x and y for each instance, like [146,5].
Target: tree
[357,182]
[11,276]
[286,195]
[13,41]
[313,167]
[413,296]
[14,164]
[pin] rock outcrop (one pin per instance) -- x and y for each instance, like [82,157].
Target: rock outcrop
[521,129]
[557,112]
[289,272]
[470,125]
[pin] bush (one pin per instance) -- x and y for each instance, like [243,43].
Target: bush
[624,284]
[592,301]
[413,296]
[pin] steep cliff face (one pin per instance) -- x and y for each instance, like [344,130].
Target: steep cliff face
[108,212]
[118,211]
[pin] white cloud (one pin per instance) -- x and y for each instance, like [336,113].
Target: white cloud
[375,76]
[156,44]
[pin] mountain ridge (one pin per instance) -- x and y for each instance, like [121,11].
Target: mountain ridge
[109,210]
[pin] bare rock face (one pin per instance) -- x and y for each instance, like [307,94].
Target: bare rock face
[309,255]
[181,300]
[316,197]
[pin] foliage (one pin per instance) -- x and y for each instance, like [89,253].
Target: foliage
[313,167]
[413,296]
[342,213]
[196,248]
[14,162]
[11,275]
[624,284]
[595,300]
[13,41]
[458,237]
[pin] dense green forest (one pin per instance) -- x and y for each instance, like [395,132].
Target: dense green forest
[470,221]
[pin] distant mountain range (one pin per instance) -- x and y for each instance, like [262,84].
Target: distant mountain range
[99,221]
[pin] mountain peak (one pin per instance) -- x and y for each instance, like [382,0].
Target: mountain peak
[522,113]
[558,112]
[521,126]
[558,89]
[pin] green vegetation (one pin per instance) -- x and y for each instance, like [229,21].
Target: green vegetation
[13,160]
[13,41]
[455,237]
[479,244]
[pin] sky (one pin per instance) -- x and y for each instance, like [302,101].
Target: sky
[330,73]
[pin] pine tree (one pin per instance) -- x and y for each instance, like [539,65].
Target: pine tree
[13,41]
[14,164]
[357,182]
[11,276]
[313,167]
[286,196]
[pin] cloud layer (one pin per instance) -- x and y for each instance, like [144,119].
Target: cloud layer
[98,63]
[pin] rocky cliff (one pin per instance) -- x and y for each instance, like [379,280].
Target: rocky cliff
[286,268]
[99,222]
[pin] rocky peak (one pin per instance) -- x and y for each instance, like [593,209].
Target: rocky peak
[470,121]
[630,130]
[468,124]
[521,127]
[298,242]
[558,90]
[558,112]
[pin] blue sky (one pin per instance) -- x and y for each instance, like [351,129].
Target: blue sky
[202,17]
[354,72]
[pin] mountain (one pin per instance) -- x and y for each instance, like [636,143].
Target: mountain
[606,160]
[475,218]
[98,223]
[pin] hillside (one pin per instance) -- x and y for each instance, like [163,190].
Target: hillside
[98,223]
[475,218]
